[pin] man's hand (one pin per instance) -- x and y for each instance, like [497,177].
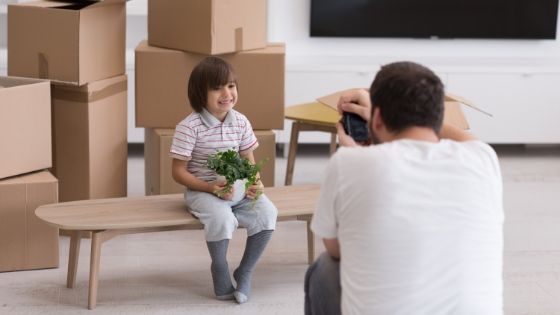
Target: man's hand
[355,101]
[344,139]
[255,190]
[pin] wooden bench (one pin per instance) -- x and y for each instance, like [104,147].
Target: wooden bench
[107,218]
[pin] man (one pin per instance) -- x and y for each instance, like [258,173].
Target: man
[411,224]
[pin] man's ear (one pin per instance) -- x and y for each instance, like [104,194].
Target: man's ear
[376,121]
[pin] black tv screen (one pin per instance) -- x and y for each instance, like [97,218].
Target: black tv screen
[505,19]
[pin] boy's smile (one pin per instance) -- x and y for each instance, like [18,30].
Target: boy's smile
[221,99]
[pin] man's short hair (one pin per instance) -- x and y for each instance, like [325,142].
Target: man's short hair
[408,95]
[211,72]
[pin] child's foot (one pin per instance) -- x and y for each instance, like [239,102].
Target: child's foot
[243,280]
[240,297]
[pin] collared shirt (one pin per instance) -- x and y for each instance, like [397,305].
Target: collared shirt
[201,134]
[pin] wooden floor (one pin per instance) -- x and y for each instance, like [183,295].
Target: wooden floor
[168,272]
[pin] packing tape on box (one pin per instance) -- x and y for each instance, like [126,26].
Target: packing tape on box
[239,39]
[87,96]
[43,66]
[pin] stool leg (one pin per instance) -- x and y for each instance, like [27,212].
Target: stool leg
[292,153]
[75,240]
[310,243]
[333,143]
[96,240]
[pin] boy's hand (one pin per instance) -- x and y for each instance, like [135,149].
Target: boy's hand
[255,190]
[218,188]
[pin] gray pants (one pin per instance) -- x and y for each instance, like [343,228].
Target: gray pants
[322,287]
[222,217]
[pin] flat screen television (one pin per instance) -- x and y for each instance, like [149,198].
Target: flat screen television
[503,19]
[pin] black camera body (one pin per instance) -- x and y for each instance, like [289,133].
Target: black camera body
[355,126]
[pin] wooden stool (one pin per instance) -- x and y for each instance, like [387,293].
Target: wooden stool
[309,117]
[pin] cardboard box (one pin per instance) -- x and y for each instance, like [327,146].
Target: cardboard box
[158,177]
[26,242]
[90,144]
[158,180]
[207,26]
[162,76]
[266,151]
[453,114]
[73,42]
[25,125]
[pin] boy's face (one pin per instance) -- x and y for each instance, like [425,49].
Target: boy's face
[221,99]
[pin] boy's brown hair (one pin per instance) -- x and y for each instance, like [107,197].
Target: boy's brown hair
[211,72]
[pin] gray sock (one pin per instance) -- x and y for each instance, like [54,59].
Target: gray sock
[223,287]
[253,249]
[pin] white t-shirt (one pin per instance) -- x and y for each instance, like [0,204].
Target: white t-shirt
[419,226]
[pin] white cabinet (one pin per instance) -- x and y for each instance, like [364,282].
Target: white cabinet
[525,107]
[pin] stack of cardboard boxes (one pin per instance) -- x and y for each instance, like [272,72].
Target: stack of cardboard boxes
[180,34]
[80,47]
[25,134]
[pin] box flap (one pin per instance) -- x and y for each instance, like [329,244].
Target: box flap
[42,176]
[456,98]
[68,4]
[91,92]
[41,4]
[453,113]
[330,100]
[11,81]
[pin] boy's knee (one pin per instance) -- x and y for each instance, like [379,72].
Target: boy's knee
[225,220]
[267,210]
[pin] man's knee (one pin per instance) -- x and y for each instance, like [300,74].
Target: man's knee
[322,286]
[325,271]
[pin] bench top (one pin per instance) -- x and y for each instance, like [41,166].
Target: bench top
[159,211]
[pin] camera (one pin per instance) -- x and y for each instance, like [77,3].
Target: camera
[355,126]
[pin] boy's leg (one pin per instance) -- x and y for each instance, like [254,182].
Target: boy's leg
[253,249]
[259,218]
[219,224]
[322,287]
[223,288]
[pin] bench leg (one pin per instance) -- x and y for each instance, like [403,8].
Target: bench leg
[75,240]
[310,243]
[96,241]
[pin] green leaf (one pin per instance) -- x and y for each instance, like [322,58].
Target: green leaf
[233,167]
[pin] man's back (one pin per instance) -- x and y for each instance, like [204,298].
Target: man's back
[419,226]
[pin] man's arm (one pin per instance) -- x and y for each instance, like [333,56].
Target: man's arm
[453,133]
[332,246]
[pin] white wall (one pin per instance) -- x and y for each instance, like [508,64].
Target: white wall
[516,80]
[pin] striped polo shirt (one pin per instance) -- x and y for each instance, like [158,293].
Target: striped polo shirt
[201,134]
